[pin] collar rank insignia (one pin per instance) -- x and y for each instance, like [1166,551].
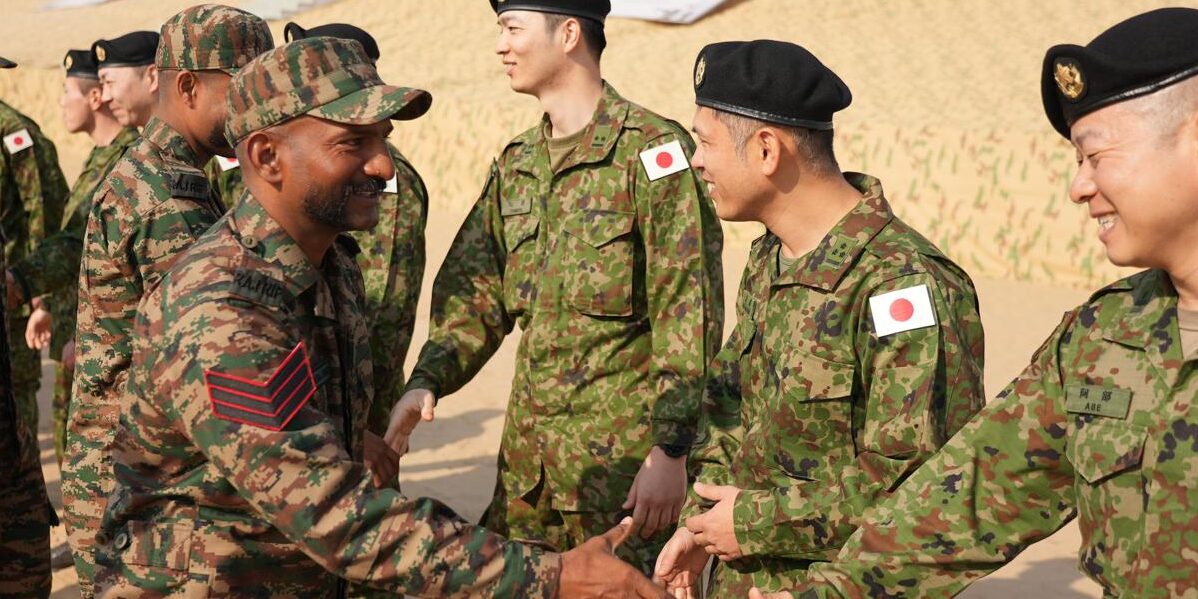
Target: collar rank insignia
[269,405]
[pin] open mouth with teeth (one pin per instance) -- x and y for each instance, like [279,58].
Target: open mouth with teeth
[1107,221]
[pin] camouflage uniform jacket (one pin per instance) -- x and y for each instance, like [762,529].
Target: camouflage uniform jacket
[32,188]
[54,266]
[1102,425]
[615,281]
[153,204]
[392,263]
[810,412]
[238,453]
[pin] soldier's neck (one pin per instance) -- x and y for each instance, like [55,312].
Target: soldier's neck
[104,130]
[801,217]
[202,154]
[571,99]
[1185,281]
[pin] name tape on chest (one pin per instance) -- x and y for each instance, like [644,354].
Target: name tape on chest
[664,160]
[270,404]
[18,142]
[227,164]
[191,186]
[1112,402]
[903,310]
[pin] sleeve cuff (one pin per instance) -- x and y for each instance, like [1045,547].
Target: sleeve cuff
[420,381]
[669,432]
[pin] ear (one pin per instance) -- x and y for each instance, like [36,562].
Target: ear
[152,78]
[260,151]
[571,32]
[766,148]
[187,87]
[95,98]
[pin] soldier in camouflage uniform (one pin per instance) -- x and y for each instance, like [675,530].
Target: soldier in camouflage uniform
[1103,424]
[154,203]
[393,256]
[54,265]
[239,453]
[25,511]
[595,237]
[32,194]
[858,345]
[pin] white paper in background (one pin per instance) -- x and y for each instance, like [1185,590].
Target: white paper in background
[667,11]
[60,4]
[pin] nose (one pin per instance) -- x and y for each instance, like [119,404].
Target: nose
[380,165]
[105,93]
[697,159]
[1083,188]
[501,45]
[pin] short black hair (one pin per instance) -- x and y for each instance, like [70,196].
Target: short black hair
[815,145]
[592,31]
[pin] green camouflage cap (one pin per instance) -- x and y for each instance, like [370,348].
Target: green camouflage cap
[323,77]
[212,37]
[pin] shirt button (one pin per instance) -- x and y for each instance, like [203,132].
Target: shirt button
[249,242]
[122,540]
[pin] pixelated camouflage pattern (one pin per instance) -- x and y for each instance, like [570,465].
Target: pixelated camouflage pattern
[212,37]
[392,263]
[135,230]
[616,283]
[32,194]
[326,77]
[812,414]
[207,506]
[226,184]
[1101,426]
[25,511]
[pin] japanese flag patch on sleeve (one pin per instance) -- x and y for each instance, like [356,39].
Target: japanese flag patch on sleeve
[270,404]
[903,310]
[664,160]
[19,141]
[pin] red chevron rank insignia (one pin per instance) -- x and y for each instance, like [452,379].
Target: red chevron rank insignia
[270,405]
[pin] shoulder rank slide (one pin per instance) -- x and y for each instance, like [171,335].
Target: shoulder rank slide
[269,405]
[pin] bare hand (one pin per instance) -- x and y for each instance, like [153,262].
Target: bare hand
[715,529]
[37,329]
[657,493]
[680,565]
[414,406]
[756,594]
[382,461]
[68,356]
[591,570]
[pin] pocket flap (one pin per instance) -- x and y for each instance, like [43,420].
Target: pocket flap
[518,229]
[599,227]
[1101,449]
[810,378]
[162,545]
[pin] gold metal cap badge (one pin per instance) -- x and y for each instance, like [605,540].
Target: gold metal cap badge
[700,71]
[100,53]
[1068,75]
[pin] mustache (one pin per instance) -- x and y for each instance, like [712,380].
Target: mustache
[371,186]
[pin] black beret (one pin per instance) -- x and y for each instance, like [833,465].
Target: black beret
[1136,57]
[596,10]
[776,82]
[130,50]
[344,31]
[6,63]
[80,63]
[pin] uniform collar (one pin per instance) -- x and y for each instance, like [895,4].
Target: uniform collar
[257,232]
[124,138]
[1145,318]
[824,267]
[171,142]
[597,141]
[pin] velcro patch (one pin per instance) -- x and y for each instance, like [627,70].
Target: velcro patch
[18,142]
[1112,402]
[664,160]
[191,186]
[269,405]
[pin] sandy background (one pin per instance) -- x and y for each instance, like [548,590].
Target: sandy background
[947,112]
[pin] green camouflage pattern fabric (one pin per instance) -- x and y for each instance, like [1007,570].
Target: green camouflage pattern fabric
[1102,426]
[616,283]
[154,203]
[208,506]
[226,183]
[25,511]
[810,412]
[32,194]
[392,263]
[212,37]
[325,77]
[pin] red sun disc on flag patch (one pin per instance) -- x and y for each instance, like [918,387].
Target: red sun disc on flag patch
[902,310]
[664,160]
[17,141]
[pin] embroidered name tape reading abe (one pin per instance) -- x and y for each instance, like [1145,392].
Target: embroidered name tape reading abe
[269,405]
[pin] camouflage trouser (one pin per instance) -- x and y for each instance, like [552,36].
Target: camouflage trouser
[532,519]
[62,402]
[26,371]
[25,515]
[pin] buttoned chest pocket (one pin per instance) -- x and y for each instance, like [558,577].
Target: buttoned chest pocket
[812,420]
[519,277]
[1101,449]
[598,262]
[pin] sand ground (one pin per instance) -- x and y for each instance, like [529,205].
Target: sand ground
[947,112]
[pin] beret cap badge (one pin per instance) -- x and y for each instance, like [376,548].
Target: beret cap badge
[100,54]
[700,71]
[1069,78]
[68,61]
